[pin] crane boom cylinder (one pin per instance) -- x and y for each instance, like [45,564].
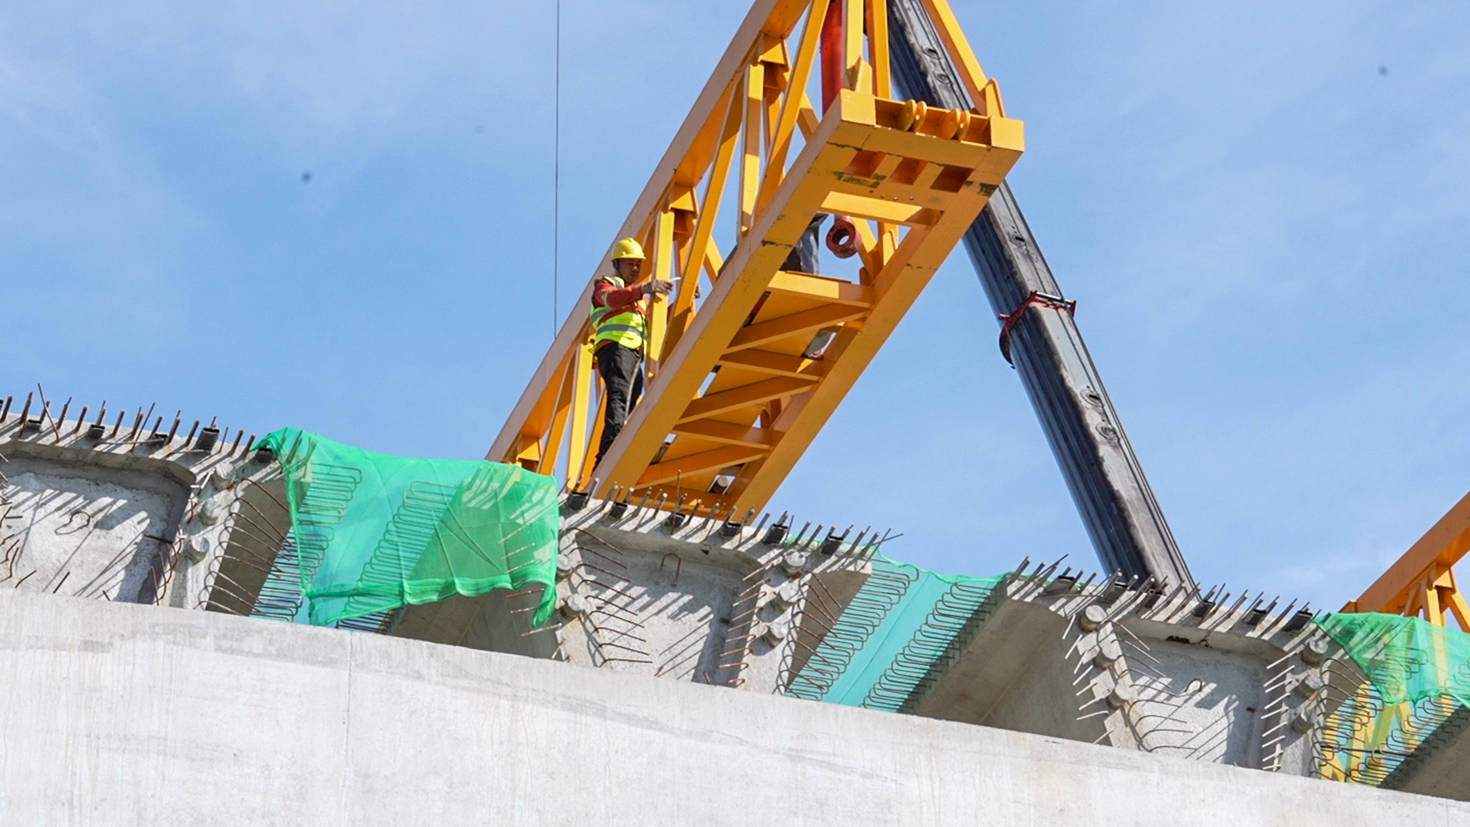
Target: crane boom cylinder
[1118,508]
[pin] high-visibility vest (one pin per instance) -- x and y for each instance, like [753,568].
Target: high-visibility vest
[625,327]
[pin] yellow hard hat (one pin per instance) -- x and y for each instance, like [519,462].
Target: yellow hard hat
[628,248]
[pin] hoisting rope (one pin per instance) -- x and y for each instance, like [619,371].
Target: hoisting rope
[1037,299]
[556,185]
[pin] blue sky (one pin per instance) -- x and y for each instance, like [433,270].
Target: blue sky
[1261,208]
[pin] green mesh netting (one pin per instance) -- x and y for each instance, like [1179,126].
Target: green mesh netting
[377,532]
[1417,680]
[889,639]
[1405,658]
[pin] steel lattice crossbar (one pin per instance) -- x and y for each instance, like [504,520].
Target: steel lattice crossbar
[746,360]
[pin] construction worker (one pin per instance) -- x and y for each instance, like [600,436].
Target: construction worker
[620,308]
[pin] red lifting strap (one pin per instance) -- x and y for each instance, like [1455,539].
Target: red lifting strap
[1037,299]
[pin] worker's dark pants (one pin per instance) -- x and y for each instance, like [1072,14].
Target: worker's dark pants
[623,380]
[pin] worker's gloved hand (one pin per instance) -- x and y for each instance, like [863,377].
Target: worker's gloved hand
[657,287]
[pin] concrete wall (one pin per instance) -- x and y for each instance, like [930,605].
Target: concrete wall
[120,715]
[83,528]
[1198,703]
[1043,699]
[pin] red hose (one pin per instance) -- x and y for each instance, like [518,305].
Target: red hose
[842,238]
[831,54]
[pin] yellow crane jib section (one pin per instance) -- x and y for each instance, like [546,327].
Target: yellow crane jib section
[1422,582]
[746,360]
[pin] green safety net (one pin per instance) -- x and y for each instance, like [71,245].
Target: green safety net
[376,532]
[1405,658]
[887,643]
[1417,680]
[905,626]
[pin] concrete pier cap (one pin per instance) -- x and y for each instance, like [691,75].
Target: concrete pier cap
[126,714]
[1060,686]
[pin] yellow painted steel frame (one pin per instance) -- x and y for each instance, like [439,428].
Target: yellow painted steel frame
[1422,582]
[736,388]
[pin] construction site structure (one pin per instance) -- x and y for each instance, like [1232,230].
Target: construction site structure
[1039,335]
[1422,582]
[152,620]
[749,357]
[705,662]
[752,353]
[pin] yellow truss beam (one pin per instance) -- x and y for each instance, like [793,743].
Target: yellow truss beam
[711,460]
[1423,581]
[819,288]
[755,393]
[727,433]
[797,324]
[747,365]
[779,364]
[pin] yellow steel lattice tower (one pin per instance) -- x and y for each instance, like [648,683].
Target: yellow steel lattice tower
[735,388]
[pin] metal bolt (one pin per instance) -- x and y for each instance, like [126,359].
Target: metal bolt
[1108,653]
[1314,652]
[1121,695]
[1092,617]
[211,511]
[575,605]
[1309,685]
[1303,721]
[197,549]
[787,593]
[223,478]
[793,562]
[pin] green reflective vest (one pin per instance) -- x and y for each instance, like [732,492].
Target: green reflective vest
[625,327]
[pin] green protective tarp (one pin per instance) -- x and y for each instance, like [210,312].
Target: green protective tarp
[1405,658]
[378,532]
[899,624]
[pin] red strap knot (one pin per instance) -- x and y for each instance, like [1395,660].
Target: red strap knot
[1037,299]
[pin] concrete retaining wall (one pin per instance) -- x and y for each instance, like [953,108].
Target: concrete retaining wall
[120,715]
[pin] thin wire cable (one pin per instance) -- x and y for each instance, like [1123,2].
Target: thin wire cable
[556,186]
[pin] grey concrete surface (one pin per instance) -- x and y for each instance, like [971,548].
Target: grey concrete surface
[139,517]
[1199,703]
[1442,765]
[86,529]
[122,715]
[1042,697]
[111,511]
